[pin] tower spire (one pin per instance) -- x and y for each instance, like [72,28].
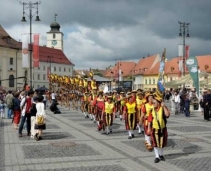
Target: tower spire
[55,15]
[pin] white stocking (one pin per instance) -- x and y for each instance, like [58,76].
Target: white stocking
[160,151]
[148,140]
[156,152]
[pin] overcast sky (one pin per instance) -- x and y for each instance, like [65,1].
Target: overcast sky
[96,32]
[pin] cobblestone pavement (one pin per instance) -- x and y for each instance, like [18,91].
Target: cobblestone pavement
[72,143]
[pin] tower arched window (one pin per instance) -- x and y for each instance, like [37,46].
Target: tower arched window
[54,35]
[11,81]
[150,81]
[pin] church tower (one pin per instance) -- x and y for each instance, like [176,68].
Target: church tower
[54,36]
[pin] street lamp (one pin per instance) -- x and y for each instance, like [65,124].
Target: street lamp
[29,6]
[183,34]
[49,59]
[118,63]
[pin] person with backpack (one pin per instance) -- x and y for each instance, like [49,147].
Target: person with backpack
[9,102]
[26,104]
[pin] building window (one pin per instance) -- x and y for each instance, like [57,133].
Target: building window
[38,76]
[43,76]
[54,35]
[171,78]
[44,67]
[11,81]
[64,69]
[150,81]
[11,61]
[69,69]
[54,68]
[59,68]
[145,81]
[153,81]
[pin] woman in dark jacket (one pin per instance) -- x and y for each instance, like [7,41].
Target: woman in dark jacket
[16,110]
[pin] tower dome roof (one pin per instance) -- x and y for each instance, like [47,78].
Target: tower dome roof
[54,25]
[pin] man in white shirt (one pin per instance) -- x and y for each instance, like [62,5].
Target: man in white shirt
[177,102]
[53,96]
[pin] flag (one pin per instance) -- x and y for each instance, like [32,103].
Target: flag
[25,51]
[160,84]
[180,50]
[36,51]
[187,51]
[192,65]
[120,75]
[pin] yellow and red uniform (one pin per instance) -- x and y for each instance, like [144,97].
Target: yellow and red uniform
[130,115]
[99,104]
[146,109]
[108,111]
[159,133]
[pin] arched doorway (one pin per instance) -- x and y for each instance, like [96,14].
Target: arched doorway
[11,81]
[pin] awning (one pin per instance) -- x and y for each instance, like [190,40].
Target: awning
[188,80]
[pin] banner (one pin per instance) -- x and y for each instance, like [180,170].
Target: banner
[25,51]
[187,51]
[160,84]
[180,50]
[36,61]
[192,65]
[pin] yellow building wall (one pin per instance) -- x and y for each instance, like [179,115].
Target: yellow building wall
[150,81]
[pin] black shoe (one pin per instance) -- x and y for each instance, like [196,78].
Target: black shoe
[157,160]
[40,138]
[110,130]
[133,136]
[129,137]
[162,158]
[28,134]
[120,119]
[36,137]
[115,116]
[20,135]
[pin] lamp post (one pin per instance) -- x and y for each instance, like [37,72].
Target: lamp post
[30,5]
[184,33]
[49,59]
[118,63]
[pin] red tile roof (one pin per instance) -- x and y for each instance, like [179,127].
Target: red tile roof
[55,55]
[203,62]
[145,64]
[7,41]
[125,67]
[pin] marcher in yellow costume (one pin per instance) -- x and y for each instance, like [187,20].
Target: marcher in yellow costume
[140,102]
[146,110]
[130,116]
[159,134]
[108,114]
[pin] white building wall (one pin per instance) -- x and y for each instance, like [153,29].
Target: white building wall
[138,82]
[6,69]
[42,79]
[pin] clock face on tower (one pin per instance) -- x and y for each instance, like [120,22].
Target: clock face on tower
[54,42]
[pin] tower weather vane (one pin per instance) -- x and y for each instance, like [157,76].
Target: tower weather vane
[55,16]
